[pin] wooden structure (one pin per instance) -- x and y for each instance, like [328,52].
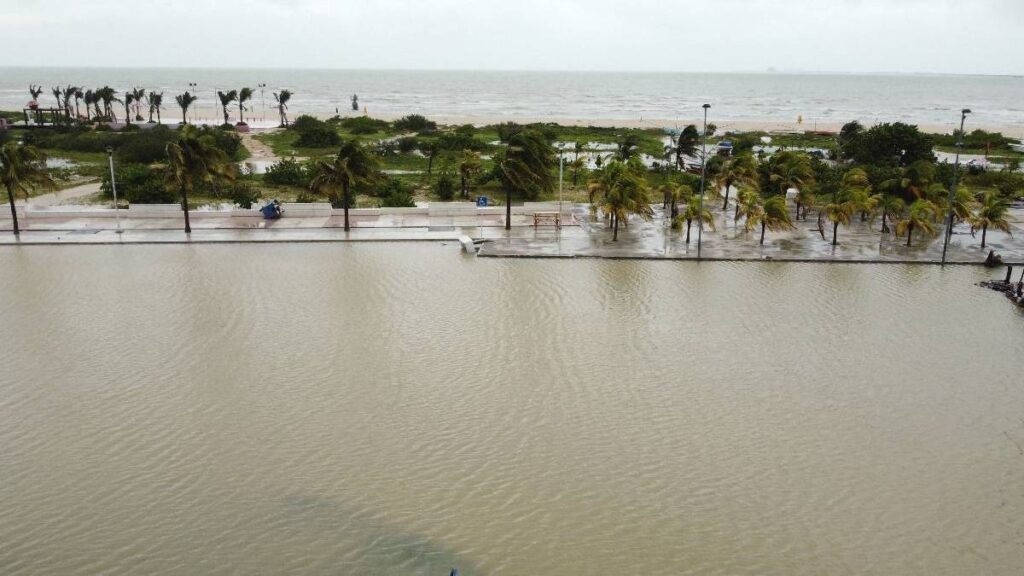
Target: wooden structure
[38,115]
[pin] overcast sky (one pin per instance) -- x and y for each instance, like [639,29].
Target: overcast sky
[946,36]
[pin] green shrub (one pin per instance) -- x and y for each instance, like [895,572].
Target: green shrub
[318,137]
[364,125]
[414,123]
[139,184]
[244,194]
[146,147]
[287,172]
[407,144]
[445,186]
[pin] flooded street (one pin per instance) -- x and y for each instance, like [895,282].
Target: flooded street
[387,408]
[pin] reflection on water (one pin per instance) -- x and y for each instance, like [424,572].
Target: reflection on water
[400,409]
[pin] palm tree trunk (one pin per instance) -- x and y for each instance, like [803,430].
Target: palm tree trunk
[615,231]
[14,212]
[184,115]
[508,209]
[726,203]
[736,216]
[158,116]
[835,233]
[688,230]
[150,114]
[885,227]
[344,199]
[910,233]
[762,233]
[984,232]
[798,210]
[184,206]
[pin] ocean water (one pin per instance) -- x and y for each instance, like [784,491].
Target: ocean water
[661,98]
[403,409]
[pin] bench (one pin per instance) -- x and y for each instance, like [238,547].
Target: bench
[547,217]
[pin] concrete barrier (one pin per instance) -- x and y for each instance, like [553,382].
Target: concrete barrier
[357,212]
[306,210]
[5,212]
[403,211]
[451,209]
[70,212]
[155,211]
[529,208]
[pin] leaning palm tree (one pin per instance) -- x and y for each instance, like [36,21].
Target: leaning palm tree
[282,105]
[57,93]
[108,96]
[772,215]
[838,213]
[138,95]
[792,170]
[963,206]
[244,95]
[526,166]
[991,213]
[621,191]
[155,101]
[892,208]
[674,194]
[79,95]
[693,212]
[740,170]
[184,101]
[921,215]
[353,167]
[193,161]
[35,91]
[129,98]
[69,93]
[469,166]
[226,98]
[21,168]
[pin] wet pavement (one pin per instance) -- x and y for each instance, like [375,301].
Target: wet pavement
[586,237]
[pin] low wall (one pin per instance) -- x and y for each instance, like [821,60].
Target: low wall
[306,210]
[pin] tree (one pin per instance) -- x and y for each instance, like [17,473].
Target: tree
[469,166]
[57,93]
[963,205]
[138,95]
[129,97]
[628,148]
[155,101]
[686,144]
[21,168]
[193,160]
[892,208]
[185,101]
[737,171]
[108,96]
[35,91]
[69,93]
[226,98]
[525,167]
[354,166]
[991,213]
[838,212]
[921,215]
[771,214]
[792,170]
[849,137]
[282,107]
[79,96]
[856,190]
[674,194]
[619,192]
[894,144]
[693,212]
[244,95]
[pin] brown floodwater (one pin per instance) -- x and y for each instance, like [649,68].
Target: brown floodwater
[404,409]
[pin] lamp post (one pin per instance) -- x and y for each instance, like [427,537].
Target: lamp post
[113,186]
[561,173]
[195,90]
[703,172]
[952,190]
[263,103]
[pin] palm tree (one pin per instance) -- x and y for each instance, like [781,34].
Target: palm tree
[138,95]
[963,206]
[79,95]
[69,93]
[351,168]
[21,168]
[129,97]
[184,101]
[469,166]
[282,105]
[108,96]
[35,91]
[892,208]
[673,195]
[855,189]
[991,213]
[740,170]
[792,170]
[155,101]
[839,212]
[57,93]
[685,144]
[693,212]
[772,215]
[225,100]
[628,147]
[620,192]
[194,160]
[244,95]
[526,167]
[922,214]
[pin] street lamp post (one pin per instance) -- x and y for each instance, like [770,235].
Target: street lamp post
[561,172]
[952,190]
[195,90]
[113,186]
[263,103]
[703,173]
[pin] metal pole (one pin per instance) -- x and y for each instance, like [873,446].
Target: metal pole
[703,171]
[952,190]
[113,186]
[561,172]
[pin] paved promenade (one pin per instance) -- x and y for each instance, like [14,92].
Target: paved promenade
[584,236]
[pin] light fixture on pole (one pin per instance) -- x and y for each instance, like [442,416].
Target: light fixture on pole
[195,90]
[703,172]
[561,172]
[952,191]
[263,102]
[113,186]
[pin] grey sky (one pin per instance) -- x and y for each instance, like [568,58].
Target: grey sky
[956,36]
